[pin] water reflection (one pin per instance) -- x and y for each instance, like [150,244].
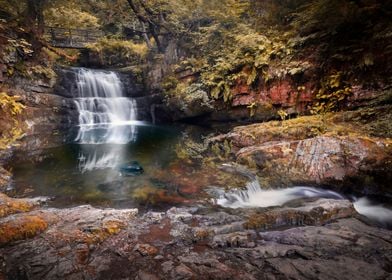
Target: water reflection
[100,157]
[107,120]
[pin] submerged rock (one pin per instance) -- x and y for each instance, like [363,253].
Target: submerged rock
[131,169]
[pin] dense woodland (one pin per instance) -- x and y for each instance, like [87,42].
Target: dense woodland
[336,44]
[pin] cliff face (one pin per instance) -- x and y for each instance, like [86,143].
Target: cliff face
[27,77]
[263,101]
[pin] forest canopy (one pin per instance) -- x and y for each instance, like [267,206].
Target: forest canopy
[227,40]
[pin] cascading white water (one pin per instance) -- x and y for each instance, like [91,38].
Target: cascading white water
[105,114]
[376,212]
[254,196]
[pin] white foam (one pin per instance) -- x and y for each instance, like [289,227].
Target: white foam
[105,114]
[254,196]
[375,212]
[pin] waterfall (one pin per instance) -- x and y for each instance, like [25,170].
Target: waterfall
[105,114]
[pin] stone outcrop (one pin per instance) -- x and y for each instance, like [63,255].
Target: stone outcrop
[189,243]
[317,160]
[330,150]
[283,94]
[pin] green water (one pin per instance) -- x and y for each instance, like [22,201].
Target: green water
[74,174]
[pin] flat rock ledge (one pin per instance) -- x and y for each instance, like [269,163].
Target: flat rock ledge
[317,239]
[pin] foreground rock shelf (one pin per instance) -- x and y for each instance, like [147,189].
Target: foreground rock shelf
[323,239]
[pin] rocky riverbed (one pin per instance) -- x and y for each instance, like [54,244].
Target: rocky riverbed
[322,239]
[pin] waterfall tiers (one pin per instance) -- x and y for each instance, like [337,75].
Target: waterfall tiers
[106,115]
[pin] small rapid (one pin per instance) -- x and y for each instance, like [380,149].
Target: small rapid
[374,211]
[255,196]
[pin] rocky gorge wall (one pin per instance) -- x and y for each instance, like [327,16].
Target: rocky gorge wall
[44,116]
[265,99]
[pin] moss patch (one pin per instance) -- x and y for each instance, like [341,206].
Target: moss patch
[9,206]
[22,227]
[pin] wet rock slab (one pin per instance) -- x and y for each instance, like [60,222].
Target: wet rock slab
[200,243]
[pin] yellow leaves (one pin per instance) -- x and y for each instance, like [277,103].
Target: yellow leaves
[10,104]
[169,83]
[249,50]
[115,51]
[215,92]
[334,80]
[296,70]
[70,16]
[45,72]
[252,76]
[261,61]
[127,48]
[9,138]
[10,71]
[333,92]
[301,88]
[222,89]
[10,107]
[22,45]
[282,114]
[252,109]
[227,95]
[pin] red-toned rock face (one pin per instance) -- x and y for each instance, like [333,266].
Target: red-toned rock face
[316,160]
[281,93]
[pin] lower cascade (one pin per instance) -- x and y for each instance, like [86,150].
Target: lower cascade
[255,196]
[373,211]
[105,114]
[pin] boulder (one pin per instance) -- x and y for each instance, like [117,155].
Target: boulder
[131,169]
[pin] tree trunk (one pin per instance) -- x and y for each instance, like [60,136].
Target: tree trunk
[35,16]
[152,26]
[145,36]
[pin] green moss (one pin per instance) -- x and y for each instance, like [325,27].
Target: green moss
[116,52]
